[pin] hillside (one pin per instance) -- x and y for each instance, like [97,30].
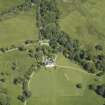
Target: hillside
[83,20]
[52,52]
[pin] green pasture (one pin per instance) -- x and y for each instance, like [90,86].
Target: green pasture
[62,61]
[23,62]
[57,86]
[6,4]
[18,29]
[84,21]
[49,85]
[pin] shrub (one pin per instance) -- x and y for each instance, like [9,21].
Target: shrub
[92,87]
[79,85]
[27,93]
[3,49]
[21,48]
[98,47]
[21,98]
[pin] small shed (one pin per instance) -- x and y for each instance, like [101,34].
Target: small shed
[44,42]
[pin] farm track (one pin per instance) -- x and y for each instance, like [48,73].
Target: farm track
[14,49]
[76,69]
[25,103]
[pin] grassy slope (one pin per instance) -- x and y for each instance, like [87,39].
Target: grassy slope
[15,30]
[23,63]
[56,83]
[52,87]
[5,4]
[18,29]
[84,21]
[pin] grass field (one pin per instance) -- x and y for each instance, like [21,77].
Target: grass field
[14,31]
[18,29]
[58,82]
[58,86]
[23,62]
[84,21]
[47,86]
[6,4]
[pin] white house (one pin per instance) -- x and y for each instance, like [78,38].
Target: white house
[49,62]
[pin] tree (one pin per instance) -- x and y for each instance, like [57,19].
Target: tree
[76,44]
[14,65]
[89,66]
[3,50]
[27,93]
[66,53]
[21,98]
[28,41]
[100,73]
[92,87]
[21,48]
[34,1]
[63,38]
[98,47]
[77,56]
[79,85]
[2,80]
[18,80]
[4,99]
[53,43]
[101,90]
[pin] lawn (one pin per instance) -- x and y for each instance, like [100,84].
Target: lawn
[6,4]
[18,29]
[52,87]
[58,86]
[47,86]
[60,82]
[52,84]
